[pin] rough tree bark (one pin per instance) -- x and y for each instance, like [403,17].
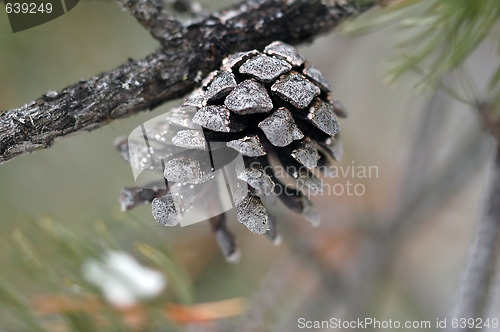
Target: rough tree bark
[189,51]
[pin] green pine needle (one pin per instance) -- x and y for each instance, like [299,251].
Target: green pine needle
[442,35]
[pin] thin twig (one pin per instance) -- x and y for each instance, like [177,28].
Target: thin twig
[421,196]
[423,146]
[167,74]
[490,121]
[479,272]
[273,296]
[382,247]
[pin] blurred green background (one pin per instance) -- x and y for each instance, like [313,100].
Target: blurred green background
[59,207]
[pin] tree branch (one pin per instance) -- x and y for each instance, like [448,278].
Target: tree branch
[150,14]
[480,269]
[491,122]
[168,73]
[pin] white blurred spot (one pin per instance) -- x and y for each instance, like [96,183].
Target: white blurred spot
[122,280]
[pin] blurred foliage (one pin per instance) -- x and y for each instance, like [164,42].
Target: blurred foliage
[441,35]
[50,254]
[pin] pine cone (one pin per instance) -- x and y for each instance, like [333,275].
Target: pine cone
[260,106]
